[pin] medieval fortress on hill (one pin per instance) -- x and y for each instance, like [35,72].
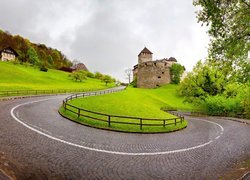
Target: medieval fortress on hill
[151,74]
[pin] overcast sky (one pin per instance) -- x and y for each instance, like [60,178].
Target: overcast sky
[107,35]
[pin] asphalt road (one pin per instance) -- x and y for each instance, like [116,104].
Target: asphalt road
[37,143]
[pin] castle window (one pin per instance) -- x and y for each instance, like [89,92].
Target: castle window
[159,77]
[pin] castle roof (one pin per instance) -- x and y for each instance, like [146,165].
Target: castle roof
[145,50]
[172,59]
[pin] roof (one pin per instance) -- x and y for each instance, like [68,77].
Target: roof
[79,66]
[172,59]
[145,50]
[11,49]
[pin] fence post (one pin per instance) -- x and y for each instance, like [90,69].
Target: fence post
[175,121]
[140,124]
[109,120]
[164,123]
[79,110]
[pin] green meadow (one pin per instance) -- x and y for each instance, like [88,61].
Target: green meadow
[135,102]
[21,77]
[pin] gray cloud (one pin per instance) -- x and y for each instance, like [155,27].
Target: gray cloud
[107,35]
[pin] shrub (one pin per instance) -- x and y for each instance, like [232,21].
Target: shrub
[98,75]
[66,69]
[43,68]
[220,105]
[78,75]
[244,96]
[134,82]
[90,74]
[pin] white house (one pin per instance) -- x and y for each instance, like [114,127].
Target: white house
[8,54]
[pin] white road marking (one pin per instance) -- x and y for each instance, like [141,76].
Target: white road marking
[107,151]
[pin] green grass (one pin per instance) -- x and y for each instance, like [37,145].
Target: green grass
[145,103]
[20,77]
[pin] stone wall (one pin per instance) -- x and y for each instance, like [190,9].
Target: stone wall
[153,74]
[144,57]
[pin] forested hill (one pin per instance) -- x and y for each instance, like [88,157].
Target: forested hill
[37,54]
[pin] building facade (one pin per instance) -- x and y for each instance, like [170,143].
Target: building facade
[8,54]
[152,74]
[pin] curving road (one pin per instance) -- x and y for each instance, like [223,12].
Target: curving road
[37,143]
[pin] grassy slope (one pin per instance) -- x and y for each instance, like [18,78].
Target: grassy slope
[20,77]
[134,102]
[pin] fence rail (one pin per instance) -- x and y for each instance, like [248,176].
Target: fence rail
[114,119]
[37,92]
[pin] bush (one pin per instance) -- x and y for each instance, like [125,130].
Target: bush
[98,75]
[43,68]
[78,75]
[90,74]
[222,106]
[66,69]
[244,95]
[134,82]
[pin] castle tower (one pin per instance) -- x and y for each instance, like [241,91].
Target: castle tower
[144,56]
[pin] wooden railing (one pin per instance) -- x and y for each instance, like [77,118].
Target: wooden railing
[114,119]
[38,92]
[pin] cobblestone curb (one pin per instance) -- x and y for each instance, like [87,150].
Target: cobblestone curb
[29,96]
[244,121]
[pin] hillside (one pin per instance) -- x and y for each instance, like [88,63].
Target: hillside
[21,77]
[37,54]
[136,102]
[132,102]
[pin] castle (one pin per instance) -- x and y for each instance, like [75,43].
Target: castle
[151,74]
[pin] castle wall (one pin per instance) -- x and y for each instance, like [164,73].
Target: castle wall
[153,74]
[144,57]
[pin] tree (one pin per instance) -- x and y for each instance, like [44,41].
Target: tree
[229,32]
[33,57]
[78,75]
[98,75]
[203,81]
[128,73]
[45,54]
[229,29]
[50,60]
[176,71]
[107,79]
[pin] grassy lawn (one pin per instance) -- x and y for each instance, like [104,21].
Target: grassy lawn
[145,103]
[20,77]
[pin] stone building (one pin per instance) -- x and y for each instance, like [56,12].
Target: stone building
[151,74]
[8,54]
[78,67]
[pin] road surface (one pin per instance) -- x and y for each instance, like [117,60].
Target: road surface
[37,143]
